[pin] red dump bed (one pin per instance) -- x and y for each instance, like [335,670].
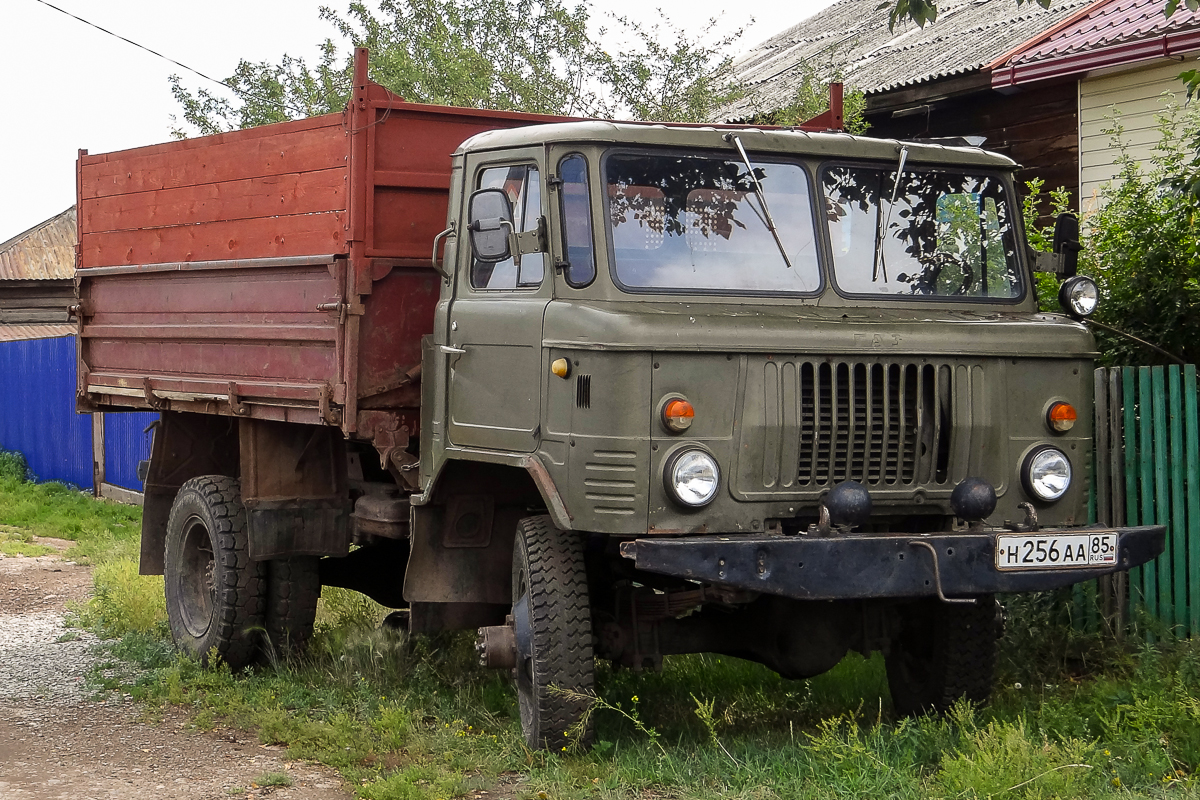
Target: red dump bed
[279,272]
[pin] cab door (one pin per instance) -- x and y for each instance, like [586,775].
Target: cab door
[495,335]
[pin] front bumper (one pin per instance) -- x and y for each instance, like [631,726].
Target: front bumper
[860,566]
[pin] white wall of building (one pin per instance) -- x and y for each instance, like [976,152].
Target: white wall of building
[1139,95]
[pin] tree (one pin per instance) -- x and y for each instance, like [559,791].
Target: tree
[528,55]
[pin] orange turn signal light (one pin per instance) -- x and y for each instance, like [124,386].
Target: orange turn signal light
[1061,417]
[677,415]
[560,367]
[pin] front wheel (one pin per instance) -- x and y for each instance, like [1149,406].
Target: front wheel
[555,673]
[943,653]
[214,591]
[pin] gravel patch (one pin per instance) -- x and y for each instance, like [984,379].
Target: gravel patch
[41,658]
[58,744]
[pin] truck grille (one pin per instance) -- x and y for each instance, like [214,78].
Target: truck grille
[890,425]
[878,424]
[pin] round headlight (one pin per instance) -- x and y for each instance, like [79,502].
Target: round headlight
[691,478]
[1047,473]
[1079,296]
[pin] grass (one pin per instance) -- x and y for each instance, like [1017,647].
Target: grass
[16,542]
[416,719]
[277,779]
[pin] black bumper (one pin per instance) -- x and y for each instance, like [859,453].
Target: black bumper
[855,566]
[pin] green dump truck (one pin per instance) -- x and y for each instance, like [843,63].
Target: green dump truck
[776,394]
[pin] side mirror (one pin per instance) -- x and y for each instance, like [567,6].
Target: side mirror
[1066,243]
[490,222]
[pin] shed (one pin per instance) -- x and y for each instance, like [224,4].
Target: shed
[1122,57]
[37,272]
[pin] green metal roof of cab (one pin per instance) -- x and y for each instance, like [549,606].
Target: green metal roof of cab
[778,140]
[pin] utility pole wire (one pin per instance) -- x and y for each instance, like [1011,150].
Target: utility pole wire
[141,46]
[240,94]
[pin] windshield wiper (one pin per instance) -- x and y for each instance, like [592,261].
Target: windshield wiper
[882,229]
[762,197]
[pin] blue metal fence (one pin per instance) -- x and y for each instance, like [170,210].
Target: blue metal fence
[126,442]
[37,410]
[38,419]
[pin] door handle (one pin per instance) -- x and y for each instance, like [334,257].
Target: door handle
[450,349]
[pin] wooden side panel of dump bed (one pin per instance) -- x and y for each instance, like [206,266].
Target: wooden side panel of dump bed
[275,191]
[204,265]
[279,272]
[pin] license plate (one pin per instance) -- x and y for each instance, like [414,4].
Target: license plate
[1030,551]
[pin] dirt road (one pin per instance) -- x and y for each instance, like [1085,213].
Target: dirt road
[57,744]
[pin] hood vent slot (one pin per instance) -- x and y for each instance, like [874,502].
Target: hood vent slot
[583,391]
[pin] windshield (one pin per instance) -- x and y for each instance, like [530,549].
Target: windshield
[687,223]
[946,235]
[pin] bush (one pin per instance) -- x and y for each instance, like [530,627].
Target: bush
[14,467]
[1143,248]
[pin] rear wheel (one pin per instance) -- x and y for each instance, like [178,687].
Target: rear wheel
[214,591]
[945,652]
[555,673]
[293,588]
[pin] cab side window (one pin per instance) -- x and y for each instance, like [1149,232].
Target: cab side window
[577,221]
[524,189]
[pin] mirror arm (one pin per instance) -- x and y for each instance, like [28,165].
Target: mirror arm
[1052,263]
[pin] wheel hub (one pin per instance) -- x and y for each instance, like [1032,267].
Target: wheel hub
[197,579]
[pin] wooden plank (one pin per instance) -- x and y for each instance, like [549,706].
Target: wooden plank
[119,494]
[1178,529]
[1117,482]
[1146,459]
[97,452]
[1192,436]
[283,294]
[299,151]
[272,196]
[256,390]
[274,238]
[202,142]
[220,360]
[220,332]
[1101,456]
[1162,495]
[1132,505]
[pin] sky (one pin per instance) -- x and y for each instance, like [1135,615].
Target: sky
[66,86]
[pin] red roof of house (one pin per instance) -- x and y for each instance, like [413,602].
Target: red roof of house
[1105,33]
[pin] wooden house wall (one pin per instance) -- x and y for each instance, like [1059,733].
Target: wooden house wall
[35,301]
[1038,128]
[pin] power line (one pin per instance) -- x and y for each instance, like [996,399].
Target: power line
[140,46]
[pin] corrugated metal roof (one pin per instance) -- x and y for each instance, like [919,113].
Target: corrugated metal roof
[44,252]
[20,333]
[851,39]
[1106,23]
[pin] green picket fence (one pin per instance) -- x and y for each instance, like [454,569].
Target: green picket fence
[1147,472]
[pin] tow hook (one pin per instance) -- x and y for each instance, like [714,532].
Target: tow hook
[937,574]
